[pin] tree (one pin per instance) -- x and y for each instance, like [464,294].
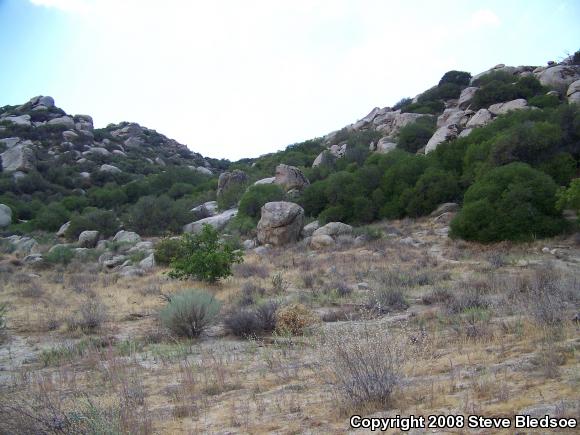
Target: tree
[204,256]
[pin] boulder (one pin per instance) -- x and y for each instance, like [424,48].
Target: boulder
[573,93]
[219,221]
[110,169]
[248,244]
[321,241]
[127,237]
[227,180]
[269,180]
[65,121]
[502,108]
[205,210]
[59,246]
[97,151]
[45,101]
[465,133]
[290,177]
[450,116]
[441,135]
[32,259]
[85,175]
[559,77]
[482,117]
[309,229]
[146,247]
[466,96]
[280,223]
[84,123]
[10,142]
[391,122]
[5,215]
[22,245]
[201,170]
[118,153]
[18,158]
[385,145]
[69,135]
[130,271]
[62,230]
[88,239]
[333,229]
[114,261]
[160,161]
[23,120]
[148,262]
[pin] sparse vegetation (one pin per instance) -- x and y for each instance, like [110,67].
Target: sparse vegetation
[189,313]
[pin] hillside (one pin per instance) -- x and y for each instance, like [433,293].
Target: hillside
[423,260]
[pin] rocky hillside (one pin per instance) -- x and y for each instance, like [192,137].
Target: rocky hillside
[38,135]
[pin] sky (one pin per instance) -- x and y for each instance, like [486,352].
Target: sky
[241,78]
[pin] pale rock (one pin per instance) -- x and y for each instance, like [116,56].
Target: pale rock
[227,180]
[114,261]
[65,121]
[131,271]
[466,132]
[205,210]
[118,153]
[69,135]
[482,117]
[134,142]
[333,229]
[442,134]
[18,158]
[22,245]
[445,208]
[248,244]
[321,241]
[466,96]
[33,259]
[450,116]
[160,161]
[97,151]
[201,170]
[573,93]
[62,230]
[309,229]
[110,169]
[559,77]
[269,180]
[290,177]
[5,216]
[503,108]
[85,175]
[10,142]
[88,239]
[281,223]
[218,221]
[385,145]
[148,262]
[127,237]
[23,120]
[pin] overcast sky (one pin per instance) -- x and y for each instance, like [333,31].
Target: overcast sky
[241,78]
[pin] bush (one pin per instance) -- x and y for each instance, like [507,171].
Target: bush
[189,313]
[167,250]
[51,217]
[242,322]
[90,317]
[414,136]
[513,202]
[204,257]
[256,196]
[104,221]
[156,215]
[570,197]
[460,78]
[293,319]
[60,255]
[387,299]
[434,187]
[365,364]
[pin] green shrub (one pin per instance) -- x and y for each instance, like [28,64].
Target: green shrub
[414,136]
[152,215]
[230,197]
[434,187]
[498,87]
[543,101]
[189,313]
[203,256]
[167,250]
[256,196]
[104,221]
[51,217]
[460,78]
[570,197]
[512,202]
[60,255]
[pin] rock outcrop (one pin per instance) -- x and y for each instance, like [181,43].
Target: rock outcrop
[290,177]
[5,215]
[229,180]
[280,223]
[126,237]
[573,93]
[333,229]
[559,77]
[442,134]
[219,221]
[88,239]
[503,108]
[19,157]
[481,118]
[205,210]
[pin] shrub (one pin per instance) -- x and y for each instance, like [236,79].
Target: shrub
[266,314]
[242,322]
[189,313]
[256,196]
[570,197]
[104,221]
[204,257]
[387,299]
[414,136]
[460,78]
[60,255]
[91,316]
[156,215]
[293,319]
[365,364]
[543,101]
[434,187]
[512,202]
[51,217]
[167,250]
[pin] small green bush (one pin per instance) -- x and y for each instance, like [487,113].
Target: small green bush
[189,313]
[256,196]
[570,197]
[104,221]
[512,202]
[203,256]
[60,255]
[414,136]
[460,78]
[167,250]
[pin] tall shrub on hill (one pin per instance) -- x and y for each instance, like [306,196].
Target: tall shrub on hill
[512,202]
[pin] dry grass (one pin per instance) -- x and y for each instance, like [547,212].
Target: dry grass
[487,329]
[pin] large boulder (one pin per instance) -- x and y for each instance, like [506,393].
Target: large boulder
[390,123]
[280,223]
[84,123]
[333,229]
[441,135]
[18,158]
[110,169]
[466,96]
[573,93]
[5,215]
[62,230]
[201,170]
[127,237]
[559,77]
[321,241]
[219,221]
[269,180]
[64,121]
[88,239]
[227,180]
[309,229]
[503,108]
[290,177]
[451,116]
[482,117]
[22,245]
[205,210]
[23,120]
[385,145]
